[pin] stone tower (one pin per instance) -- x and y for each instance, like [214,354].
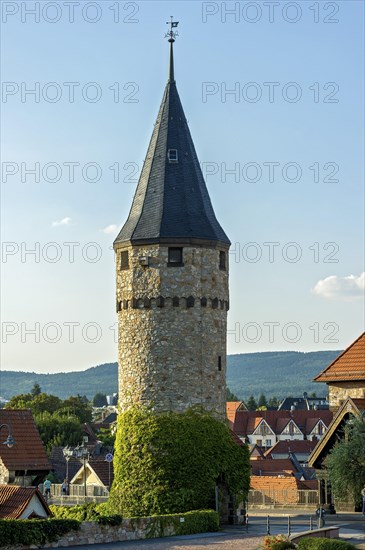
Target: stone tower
[172,277]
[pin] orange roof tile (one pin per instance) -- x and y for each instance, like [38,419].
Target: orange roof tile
[28,452]
[231,407]
[350,365]
[15,499]
[270,467]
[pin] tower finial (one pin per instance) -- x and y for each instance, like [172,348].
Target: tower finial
[171,34]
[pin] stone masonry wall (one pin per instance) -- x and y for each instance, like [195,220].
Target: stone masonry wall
[172,329]
[93,533]
[340,391]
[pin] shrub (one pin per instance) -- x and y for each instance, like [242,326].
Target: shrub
[313,543]
[34,531]
[87,512]
[170,462]
[277,542]
[197,521]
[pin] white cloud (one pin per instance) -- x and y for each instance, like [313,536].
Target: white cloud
[110,229]
[341,288]
[64,221]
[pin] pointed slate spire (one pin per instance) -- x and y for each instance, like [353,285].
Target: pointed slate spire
[171,203]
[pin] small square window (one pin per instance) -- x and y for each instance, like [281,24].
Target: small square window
[172,155]
[222,260]
[124,260]
[268,443]
[175,256]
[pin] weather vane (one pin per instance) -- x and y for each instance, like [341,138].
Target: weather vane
[172,34]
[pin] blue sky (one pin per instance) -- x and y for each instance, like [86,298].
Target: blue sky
[292,131]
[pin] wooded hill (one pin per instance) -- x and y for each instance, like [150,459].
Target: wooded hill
[280,373]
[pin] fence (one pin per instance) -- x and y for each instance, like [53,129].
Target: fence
[280,499]
[76,494]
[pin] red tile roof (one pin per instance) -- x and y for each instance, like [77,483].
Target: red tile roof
[295,446]
[271,467]
[15,499]
[28,453]
[245,422]
[101,468]
[231,407]
[350,365]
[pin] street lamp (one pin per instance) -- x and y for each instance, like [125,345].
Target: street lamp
[9,441]
[67,453]
[82,453]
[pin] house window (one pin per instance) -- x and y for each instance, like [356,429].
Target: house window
[259,442]
[172,155]
[222,260]
[124,260]
[268,443]
[175,257]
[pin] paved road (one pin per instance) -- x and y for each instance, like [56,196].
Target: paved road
[209,541]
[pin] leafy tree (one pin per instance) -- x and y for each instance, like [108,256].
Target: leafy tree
[231,396]
[59,422]
[106,437]
[262,402]
[251,403]
[45,403]
[99,400]
[171,462]
[346,462]
[58,431]
[78,407]
[36,390]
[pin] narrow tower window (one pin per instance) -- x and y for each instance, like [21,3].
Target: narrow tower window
[175,257]
[219,362]
[222,260]
[172,155]
[124,260]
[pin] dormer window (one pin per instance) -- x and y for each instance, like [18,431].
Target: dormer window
[172,155]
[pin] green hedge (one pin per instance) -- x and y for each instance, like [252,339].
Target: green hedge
[283,545]
[34,531]
[87,512]
[313,543]
[197,521]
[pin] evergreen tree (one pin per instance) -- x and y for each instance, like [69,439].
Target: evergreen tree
[36,390]
[99,400]
[273,402]
[251,403]
[262,401]
[231,396]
